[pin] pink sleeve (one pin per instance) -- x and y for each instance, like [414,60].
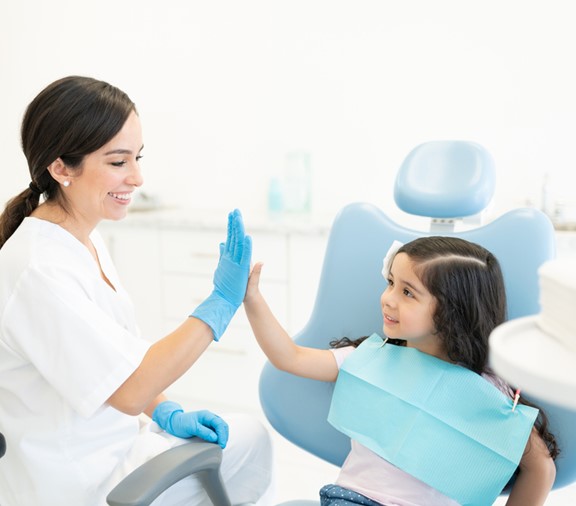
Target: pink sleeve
[340,354]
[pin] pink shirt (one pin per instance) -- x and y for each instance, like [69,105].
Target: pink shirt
[367,473]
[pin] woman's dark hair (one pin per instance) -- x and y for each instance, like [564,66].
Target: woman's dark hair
[69,119]
[468,285]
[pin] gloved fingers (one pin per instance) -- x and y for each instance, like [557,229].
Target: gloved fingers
[228,248]
[229,230]
[235,238]
[222,430]
[217,424]
[239,222]
[238,234]
[246,253]
[206,433]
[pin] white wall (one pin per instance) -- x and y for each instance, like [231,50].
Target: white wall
[226,88]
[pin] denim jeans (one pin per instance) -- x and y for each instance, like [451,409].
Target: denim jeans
[333,495]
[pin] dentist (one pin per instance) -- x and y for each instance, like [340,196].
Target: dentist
[75,374]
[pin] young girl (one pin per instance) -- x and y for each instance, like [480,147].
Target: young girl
[444,297]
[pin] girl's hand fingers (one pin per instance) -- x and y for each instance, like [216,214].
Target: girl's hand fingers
[254,278]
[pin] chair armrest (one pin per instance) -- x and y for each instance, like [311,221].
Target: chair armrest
[152,478]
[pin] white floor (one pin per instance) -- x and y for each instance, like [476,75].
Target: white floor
[299,475]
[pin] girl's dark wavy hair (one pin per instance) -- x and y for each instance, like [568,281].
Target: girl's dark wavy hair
[467,283]
[69,119]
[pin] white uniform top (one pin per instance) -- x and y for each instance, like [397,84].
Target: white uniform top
[67,342]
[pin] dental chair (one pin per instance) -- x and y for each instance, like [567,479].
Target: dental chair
[444,181]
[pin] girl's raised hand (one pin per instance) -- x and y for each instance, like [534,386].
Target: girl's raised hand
[253,281]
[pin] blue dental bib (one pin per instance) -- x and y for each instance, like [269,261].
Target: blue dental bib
[438,421]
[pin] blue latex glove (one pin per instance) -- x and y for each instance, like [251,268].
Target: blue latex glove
[230,278]
[171,417]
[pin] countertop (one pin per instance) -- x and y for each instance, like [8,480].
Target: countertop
[179,217]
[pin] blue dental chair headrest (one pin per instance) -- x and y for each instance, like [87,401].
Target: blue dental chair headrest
[445,179]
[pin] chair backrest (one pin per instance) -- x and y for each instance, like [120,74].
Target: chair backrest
[348,297]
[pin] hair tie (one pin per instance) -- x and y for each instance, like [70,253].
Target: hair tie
[396,245]
[34,188]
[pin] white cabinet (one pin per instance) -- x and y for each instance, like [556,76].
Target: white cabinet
[566,244]
[166,263]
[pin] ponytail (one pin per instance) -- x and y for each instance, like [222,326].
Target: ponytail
[18,208]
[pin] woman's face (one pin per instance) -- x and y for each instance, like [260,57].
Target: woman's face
[102,189]
[408,308]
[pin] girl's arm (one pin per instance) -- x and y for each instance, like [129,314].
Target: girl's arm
[536,476]
[278,345]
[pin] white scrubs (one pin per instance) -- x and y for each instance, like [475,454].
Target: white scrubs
[67,342]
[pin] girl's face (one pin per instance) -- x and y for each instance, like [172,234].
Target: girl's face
[408,308]
[103,188]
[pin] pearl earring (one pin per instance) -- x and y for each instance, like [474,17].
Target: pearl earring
[66,183]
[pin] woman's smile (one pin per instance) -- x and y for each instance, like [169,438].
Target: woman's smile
[122,198]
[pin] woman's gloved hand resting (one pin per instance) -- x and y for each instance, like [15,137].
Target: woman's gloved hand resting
[204,424]
[230,278]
